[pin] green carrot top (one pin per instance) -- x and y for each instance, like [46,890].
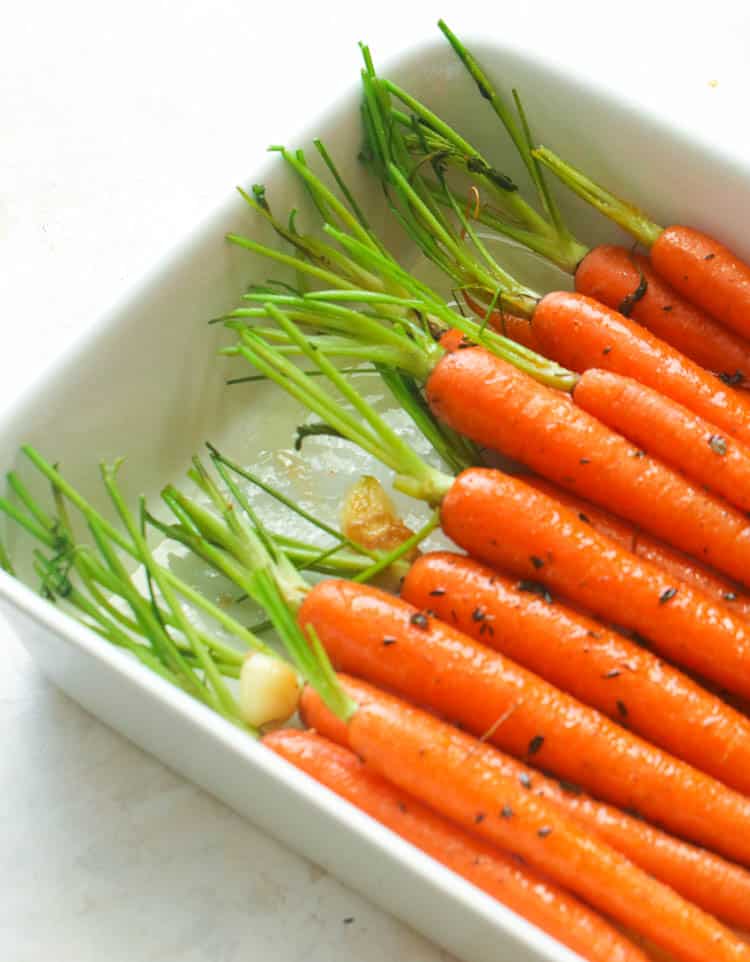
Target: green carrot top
[370,308]
[419,141]
[153,624]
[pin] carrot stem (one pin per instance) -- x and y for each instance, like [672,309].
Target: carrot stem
[343,187]
[633,220]
[5,561]
[397,295]
[345,217]
[289,260]
[512,199]
[248,555]
[312,249]
[540,368]
[59,534]
[294,506]
[491,218]
[488,92]
[373,435]
[261,578]
[438,145]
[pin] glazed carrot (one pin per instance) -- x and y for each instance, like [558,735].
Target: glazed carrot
[640,543]
[717,886]
[582,657]
[493,871]
[581,333]
[504,522]
[465,780]
[686,441]
[707,273]
[498,406]
[371,634]
[627,282]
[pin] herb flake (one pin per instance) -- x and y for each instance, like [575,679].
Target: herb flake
[535,588]
[535,744]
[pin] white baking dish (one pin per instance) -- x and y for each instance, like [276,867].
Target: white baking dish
[146,383]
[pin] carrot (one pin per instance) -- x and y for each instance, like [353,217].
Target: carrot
[640,543]
[698,266]
[715,885]
[592,663]
[495,872]
[707,273]
[496,405]
[580,333]
[505,522]
[628,283]
[465,780]
[687,442]
[369,633]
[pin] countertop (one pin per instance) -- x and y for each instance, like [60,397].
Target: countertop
[120,126]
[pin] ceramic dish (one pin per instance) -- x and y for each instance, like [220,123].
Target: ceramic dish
[146,383]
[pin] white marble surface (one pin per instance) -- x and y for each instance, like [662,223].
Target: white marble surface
[119,126]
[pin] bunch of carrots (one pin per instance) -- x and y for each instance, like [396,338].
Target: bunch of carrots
[559,713]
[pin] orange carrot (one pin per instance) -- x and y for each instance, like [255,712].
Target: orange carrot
[592,663]
[504,522]
[580,333]
[453,340]
[500,407]
[616,277]
[685,441]
[715,885]
[640,543]
[707,273]
[495,872]
[465,780]
[369,633]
